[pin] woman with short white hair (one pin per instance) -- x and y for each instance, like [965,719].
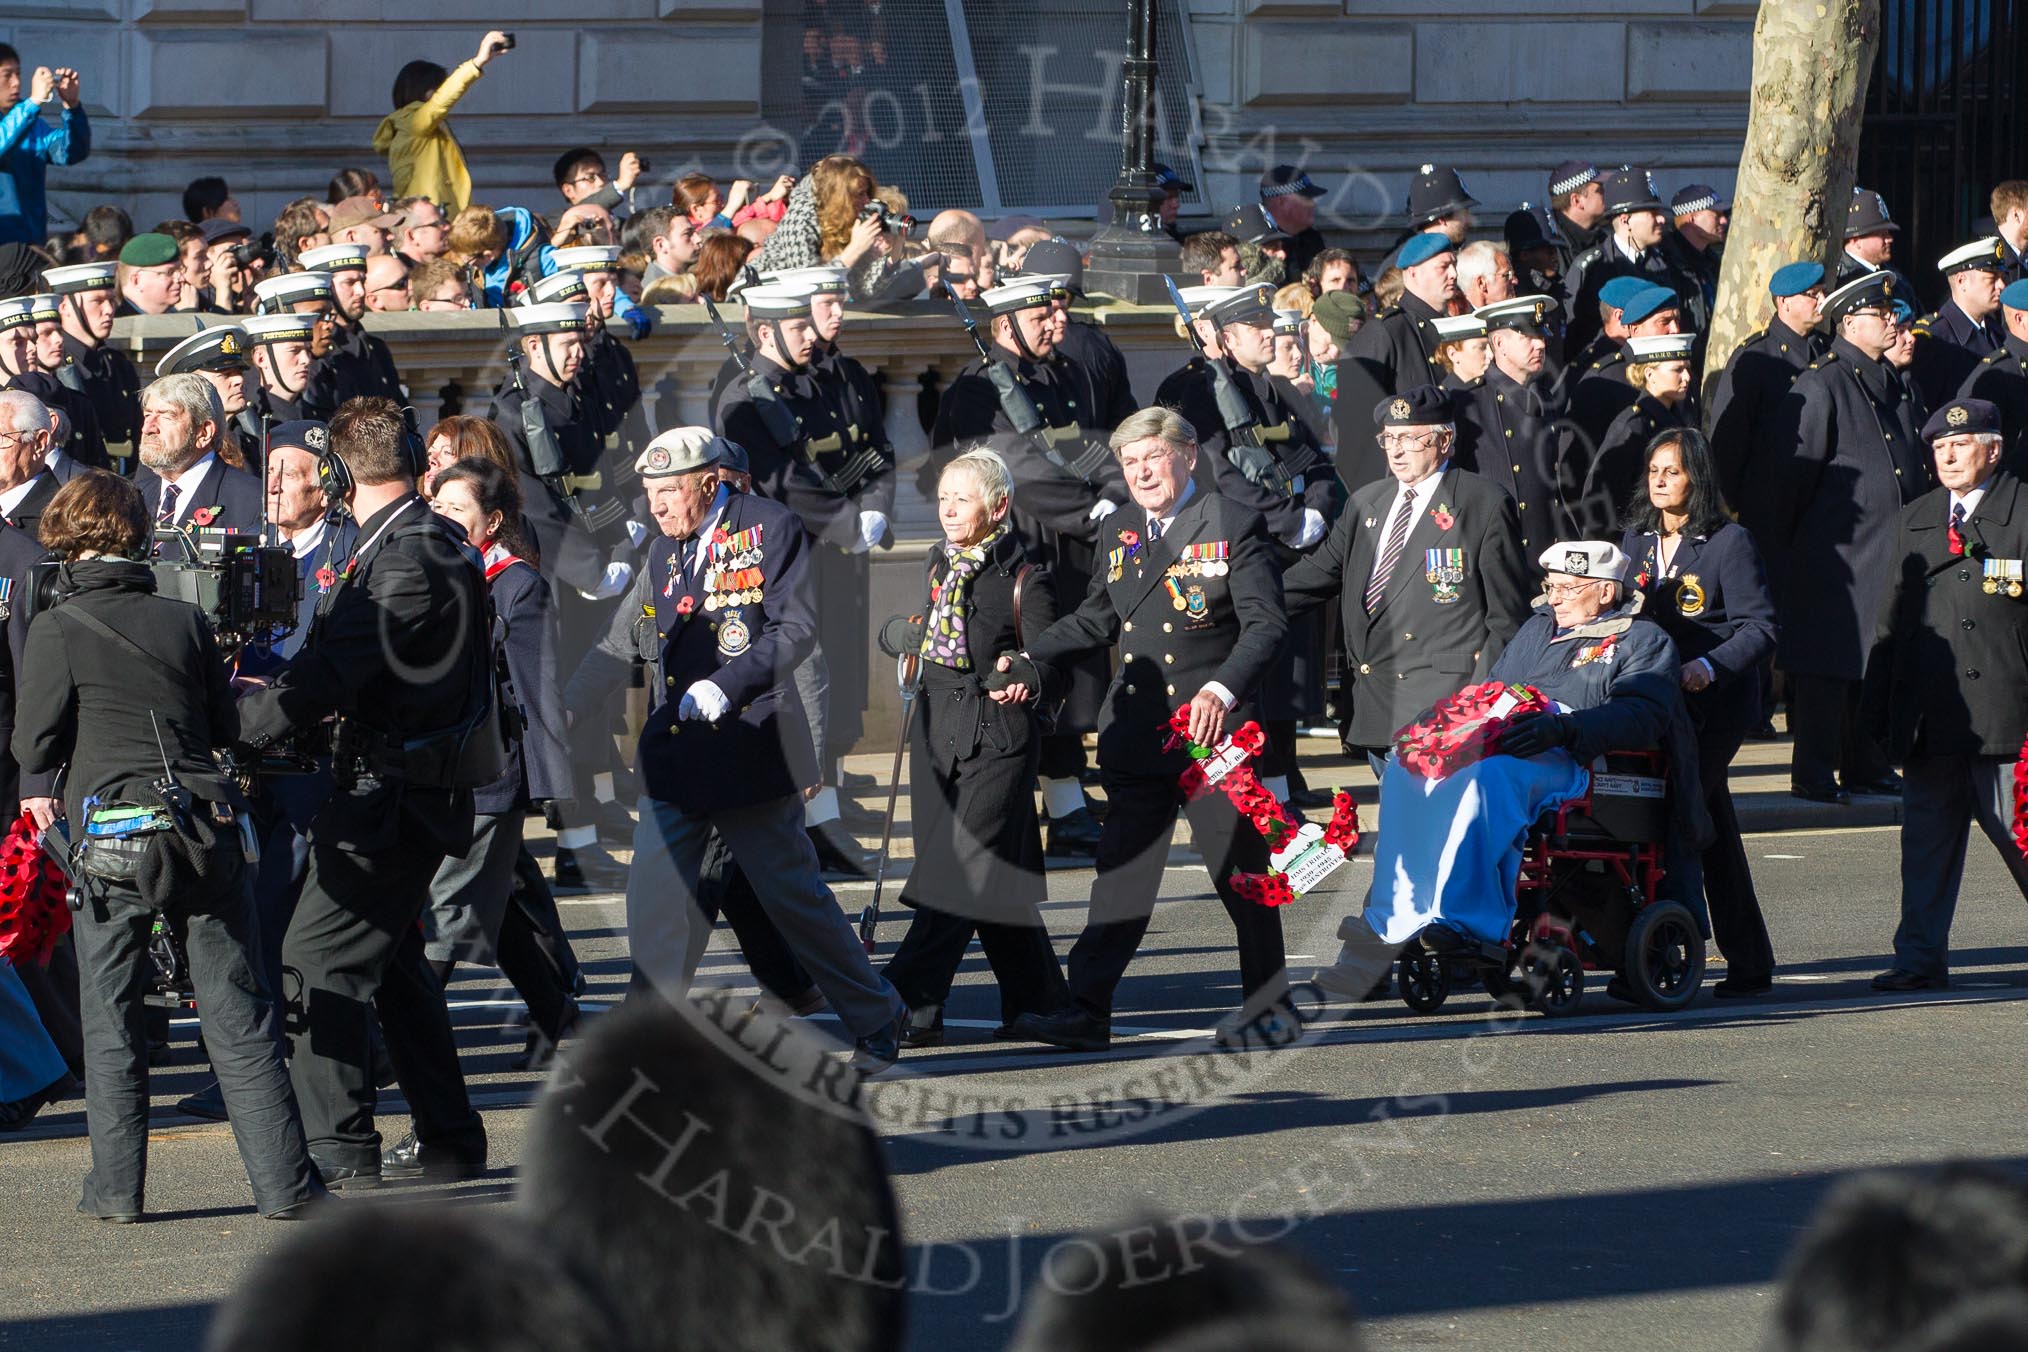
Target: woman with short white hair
[972,762]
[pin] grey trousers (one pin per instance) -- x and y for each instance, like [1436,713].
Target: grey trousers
[112,937]
[468,897]
[668,933]
[1941,796]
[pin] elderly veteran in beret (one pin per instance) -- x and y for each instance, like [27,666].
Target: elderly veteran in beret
[1449,852]
[728,591]
[1946,690]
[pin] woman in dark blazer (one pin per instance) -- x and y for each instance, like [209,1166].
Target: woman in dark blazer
[972,766]
[123,689]
[469,917]
[1703,582]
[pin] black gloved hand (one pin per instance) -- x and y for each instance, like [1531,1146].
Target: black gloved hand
[1532,734]
[901,635]
[1021,672]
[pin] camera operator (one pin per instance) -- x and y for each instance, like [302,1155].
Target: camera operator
[398,650]
[127,689]
[226,283]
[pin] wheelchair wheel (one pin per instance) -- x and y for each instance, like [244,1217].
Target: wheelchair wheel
[1424,980]
[1553,980]
[1665,956]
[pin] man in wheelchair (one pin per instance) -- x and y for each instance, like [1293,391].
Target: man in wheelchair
[1448,858]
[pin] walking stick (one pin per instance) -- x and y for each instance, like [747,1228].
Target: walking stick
[905,672]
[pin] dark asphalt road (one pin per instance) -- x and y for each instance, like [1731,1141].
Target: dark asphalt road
[1615,1178]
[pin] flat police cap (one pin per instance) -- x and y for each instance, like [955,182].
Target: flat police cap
[1421,248]
[1793,279]
[1252,303]
[1022,295]
[1436,193]
[1648,302]
[1421,406]
[1456,328]
[820,281]
[1697,197]
[1527,227]
[1289,321]
[1960,416]
[1628,189]
[1570,176]
[1619,290]
[776,301]
[563,284]
[43,307]
[587,258]
[1168,180]
[334,258]
[305,434]
[1594,559]
[148,251]
[680,450]
[1285,180]
[555,317]
[1338,311]
[2015,297]
[218,349]
[1522,314]
[1055,258]
[292,288]
[15,312]
[82,277]
[1250,224]
[1981,255]
[1868,215]
[1872,288]
[266,330]
[1650,347]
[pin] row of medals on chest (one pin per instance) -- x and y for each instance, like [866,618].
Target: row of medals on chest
[733,581]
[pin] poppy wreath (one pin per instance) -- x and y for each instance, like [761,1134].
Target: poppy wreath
[33,915]
[1462,730]
[2021,800]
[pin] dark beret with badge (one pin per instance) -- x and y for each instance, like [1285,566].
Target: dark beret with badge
[303,434]
[1963,417]
[1419,406]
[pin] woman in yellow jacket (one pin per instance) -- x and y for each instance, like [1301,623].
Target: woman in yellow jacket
[421,152]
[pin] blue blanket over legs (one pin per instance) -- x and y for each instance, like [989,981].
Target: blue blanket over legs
[1450,849]
[29,1061]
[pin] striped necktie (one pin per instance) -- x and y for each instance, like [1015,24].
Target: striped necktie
[1390,552]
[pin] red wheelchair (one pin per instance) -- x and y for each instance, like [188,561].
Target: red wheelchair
[1590,874]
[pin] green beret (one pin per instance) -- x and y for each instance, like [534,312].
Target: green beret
[1337,311]
[149,251]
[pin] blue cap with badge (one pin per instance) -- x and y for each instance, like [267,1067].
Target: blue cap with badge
[1793,279]
[2015,297]
[1617,291]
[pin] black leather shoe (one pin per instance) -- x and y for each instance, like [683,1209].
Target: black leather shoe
[338,1176]
[876,1053]
[1073,1030]
[207,1103]
[296,1211]
[1764,733]
[1733,987]
[589,870]
[1619,988]
[18,1113]
[1889,787]
[852,783]
[924,1027]
[1897,979]
[410,1159]
[1075,836]
[838,852]
[109,1217]
[1820,793]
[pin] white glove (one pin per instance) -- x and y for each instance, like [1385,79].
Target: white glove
[872,525]
[616,579]
[1102,509]
[703,700]
[636,532]
[1311,531]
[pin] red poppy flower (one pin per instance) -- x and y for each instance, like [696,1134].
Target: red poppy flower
[326,579]
[1129,539]
[1444,520]
[203,516]
[1957,543]
[719,536]
[2021,801]
[687,604]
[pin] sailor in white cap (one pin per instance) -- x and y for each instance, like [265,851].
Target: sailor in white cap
[608,383]
[358,364]
[280,347]
[87,297]
[1953,339]
[817,445]
[728,591]
[31,356]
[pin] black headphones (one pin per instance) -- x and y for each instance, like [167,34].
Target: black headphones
[334,476]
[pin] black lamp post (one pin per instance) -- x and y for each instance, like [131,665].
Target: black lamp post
[1131,254]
